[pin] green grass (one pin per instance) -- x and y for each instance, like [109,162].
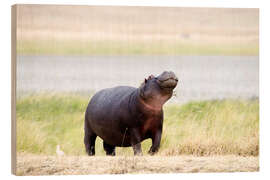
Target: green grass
[66,47]
[198,128]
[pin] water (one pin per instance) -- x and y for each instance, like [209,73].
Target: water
[201,77]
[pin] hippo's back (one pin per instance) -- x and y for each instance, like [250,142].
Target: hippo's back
[108,98]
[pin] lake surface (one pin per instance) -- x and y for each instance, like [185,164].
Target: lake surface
[201,77]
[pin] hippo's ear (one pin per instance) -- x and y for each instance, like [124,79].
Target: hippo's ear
[145,80]
[151,76]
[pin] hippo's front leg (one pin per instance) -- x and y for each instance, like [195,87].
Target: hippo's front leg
[136,141]
[156,138]
[137,149]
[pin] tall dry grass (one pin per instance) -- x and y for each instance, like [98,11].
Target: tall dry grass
[213,127]
[199,128]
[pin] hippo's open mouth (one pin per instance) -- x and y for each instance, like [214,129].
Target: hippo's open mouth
[167,80]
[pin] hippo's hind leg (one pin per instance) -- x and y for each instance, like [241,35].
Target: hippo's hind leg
[89,142]
[89,139]
[110,150]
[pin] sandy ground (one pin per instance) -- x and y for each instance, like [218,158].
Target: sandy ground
[52,165]
[201,77]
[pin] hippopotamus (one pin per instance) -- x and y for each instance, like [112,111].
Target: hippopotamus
[124,116]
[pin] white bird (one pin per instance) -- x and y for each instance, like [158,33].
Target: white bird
[59,152]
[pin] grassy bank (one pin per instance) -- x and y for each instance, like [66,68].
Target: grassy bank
[197,128]
[109,47]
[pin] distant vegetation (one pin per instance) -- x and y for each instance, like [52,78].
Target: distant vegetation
[106,30]
[214,127]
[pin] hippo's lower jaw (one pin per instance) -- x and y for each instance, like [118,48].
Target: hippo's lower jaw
[168,83]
